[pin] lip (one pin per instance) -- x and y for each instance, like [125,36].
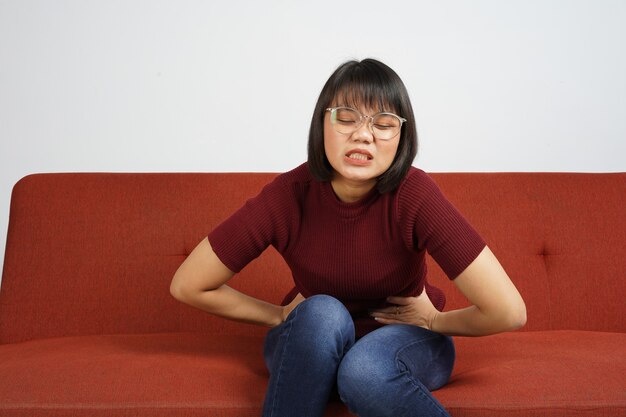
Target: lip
[358,162]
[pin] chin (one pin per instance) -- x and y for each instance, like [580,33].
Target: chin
[350,175]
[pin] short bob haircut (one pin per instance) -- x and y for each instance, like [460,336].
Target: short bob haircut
[372,84]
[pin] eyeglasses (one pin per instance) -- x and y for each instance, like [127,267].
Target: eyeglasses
[346,120]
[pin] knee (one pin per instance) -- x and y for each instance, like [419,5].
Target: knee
[323,307]
[321,317]
[363,376]
[371,361]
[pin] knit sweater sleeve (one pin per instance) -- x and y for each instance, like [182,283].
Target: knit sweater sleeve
[260,222]
[430,222]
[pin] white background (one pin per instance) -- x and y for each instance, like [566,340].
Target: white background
[154,86]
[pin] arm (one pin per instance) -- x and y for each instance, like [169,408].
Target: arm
[201,282]
[496,306]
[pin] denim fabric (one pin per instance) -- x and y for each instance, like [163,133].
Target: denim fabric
[388,372]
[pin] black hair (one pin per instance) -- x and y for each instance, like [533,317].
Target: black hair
[369,83]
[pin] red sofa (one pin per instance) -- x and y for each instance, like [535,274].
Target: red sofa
[88,327]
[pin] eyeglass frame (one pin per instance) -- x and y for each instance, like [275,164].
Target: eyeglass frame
[364,116]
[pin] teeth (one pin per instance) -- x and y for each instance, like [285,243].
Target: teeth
[358,156]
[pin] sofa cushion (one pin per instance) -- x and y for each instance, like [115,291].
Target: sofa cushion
[573,373]
[175,374]
[537,374]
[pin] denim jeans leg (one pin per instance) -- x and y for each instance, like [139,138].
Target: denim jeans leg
[303,355]
[391,371]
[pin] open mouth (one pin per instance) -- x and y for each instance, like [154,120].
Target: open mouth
[359,156]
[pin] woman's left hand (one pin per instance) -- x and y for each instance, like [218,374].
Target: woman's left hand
[418,311]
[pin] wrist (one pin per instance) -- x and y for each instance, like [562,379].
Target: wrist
[433,317]
[278,318]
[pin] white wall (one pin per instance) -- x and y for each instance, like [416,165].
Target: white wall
[145,85]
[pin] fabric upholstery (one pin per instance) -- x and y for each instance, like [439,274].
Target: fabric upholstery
[87,325]
[192,374]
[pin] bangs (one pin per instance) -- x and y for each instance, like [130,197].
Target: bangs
[363,87]
[358,98]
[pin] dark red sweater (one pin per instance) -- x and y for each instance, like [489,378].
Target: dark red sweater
[359,252]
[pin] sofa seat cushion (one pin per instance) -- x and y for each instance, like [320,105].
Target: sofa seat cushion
[532,374]
[193,374]
[171,374]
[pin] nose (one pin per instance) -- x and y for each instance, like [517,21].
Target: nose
[364,133]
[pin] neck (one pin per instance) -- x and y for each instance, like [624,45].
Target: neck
[350,192]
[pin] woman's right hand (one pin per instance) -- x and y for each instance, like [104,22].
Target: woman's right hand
[291,306]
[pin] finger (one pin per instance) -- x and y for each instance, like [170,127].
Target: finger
[393,315]
[391,310]
[388,321]
[381,315]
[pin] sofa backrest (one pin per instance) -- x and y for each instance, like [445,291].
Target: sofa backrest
[95,253]
[560,237]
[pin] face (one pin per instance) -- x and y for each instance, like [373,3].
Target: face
[358,158]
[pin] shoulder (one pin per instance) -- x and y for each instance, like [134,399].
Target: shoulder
[419,196]
[417,186]
[288,187]
[293,182]
[299,175]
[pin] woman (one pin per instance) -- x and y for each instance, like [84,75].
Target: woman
[353,224]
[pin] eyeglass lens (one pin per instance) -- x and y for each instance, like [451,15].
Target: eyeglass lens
[384,125]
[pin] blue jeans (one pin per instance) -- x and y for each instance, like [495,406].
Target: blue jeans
[388,372]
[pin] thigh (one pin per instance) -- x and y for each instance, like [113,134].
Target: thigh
[303,355]
[422,354]
[391,371]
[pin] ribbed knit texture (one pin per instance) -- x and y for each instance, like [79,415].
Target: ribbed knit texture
[358,252]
